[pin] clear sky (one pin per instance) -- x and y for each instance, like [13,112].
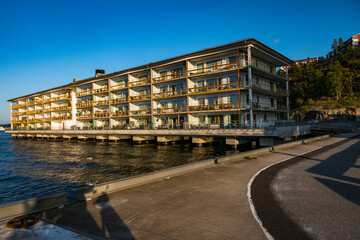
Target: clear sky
[47,43]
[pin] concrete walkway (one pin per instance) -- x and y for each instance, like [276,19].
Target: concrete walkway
[211,203]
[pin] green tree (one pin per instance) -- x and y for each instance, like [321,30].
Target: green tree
[335,79]
[348,81]
[334,44]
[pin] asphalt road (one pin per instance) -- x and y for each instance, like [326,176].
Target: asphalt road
[315,196]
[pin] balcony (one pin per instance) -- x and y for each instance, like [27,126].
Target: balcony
[215,88]
[84,116]
[59,118]
[61,98]
[143,112]
[268,106]
[87,104]
[37,102]
[101,103]
[86,92]
[268,88]
[31,103]
[118,86]
[143,97]
[61,108]
[18,106]
[120,114]
[172,110]
[46,100]
[101,115]
[169,77]
[142,82]
[119,100]
[47,110]
[48,119]
[20,121]
[215,107]
[214,69]
[100,90]
[176,93]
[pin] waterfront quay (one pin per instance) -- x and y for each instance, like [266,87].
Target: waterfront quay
[221,201]
[232,136]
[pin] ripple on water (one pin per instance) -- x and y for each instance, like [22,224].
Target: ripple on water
[38,168]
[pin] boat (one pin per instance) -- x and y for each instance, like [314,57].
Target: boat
[2,129]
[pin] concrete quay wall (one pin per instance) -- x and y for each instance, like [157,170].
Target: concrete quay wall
[280,132]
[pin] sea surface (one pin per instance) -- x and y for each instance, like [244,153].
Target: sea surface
[37,168]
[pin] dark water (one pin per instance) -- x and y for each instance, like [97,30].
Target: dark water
[38,168]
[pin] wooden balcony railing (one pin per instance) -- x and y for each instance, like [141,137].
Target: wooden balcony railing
[47,110]
[57,118]
[18,106]
[61,98]
[214,69]
[31,120]
[120,114]
[46,100]
[20,121]
[47,119]
[31,103]
[37,102]
[143,97]
[118,86]
[100,90]
[84,116]
[61,108]
[140,112]
[86,92]
[101,115]
[84,104]
[142,82]
[215,88]
[214,107]
[268,88]
[176,93]
[169,77]
[101,103]
[119,100]
[172,110]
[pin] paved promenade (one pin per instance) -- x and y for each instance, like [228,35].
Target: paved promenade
[211,203]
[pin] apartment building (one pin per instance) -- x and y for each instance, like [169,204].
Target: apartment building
[229,86]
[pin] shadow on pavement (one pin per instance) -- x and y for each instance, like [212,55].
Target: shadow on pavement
[96,218]
[335,167]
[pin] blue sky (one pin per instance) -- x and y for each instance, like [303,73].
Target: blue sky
[45,43]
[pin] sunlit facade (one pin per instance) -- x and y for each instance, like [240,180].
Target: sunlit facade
[232,85]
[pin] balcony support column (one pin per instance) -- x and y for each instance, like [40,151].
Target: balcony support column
[287,94]
[250,87]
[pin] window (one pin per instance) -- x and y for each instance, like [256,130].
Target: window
[247,99]
[272,102]
[233,79]
[210,82]
[232,59]
[212,100]
[201,101]
[247,80]
[265,118]
[177,72]
[200,67]
[202,119]
[233,98]
[163,75]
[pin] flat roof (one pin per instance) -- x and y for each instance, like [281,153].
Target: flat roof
[278,60]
